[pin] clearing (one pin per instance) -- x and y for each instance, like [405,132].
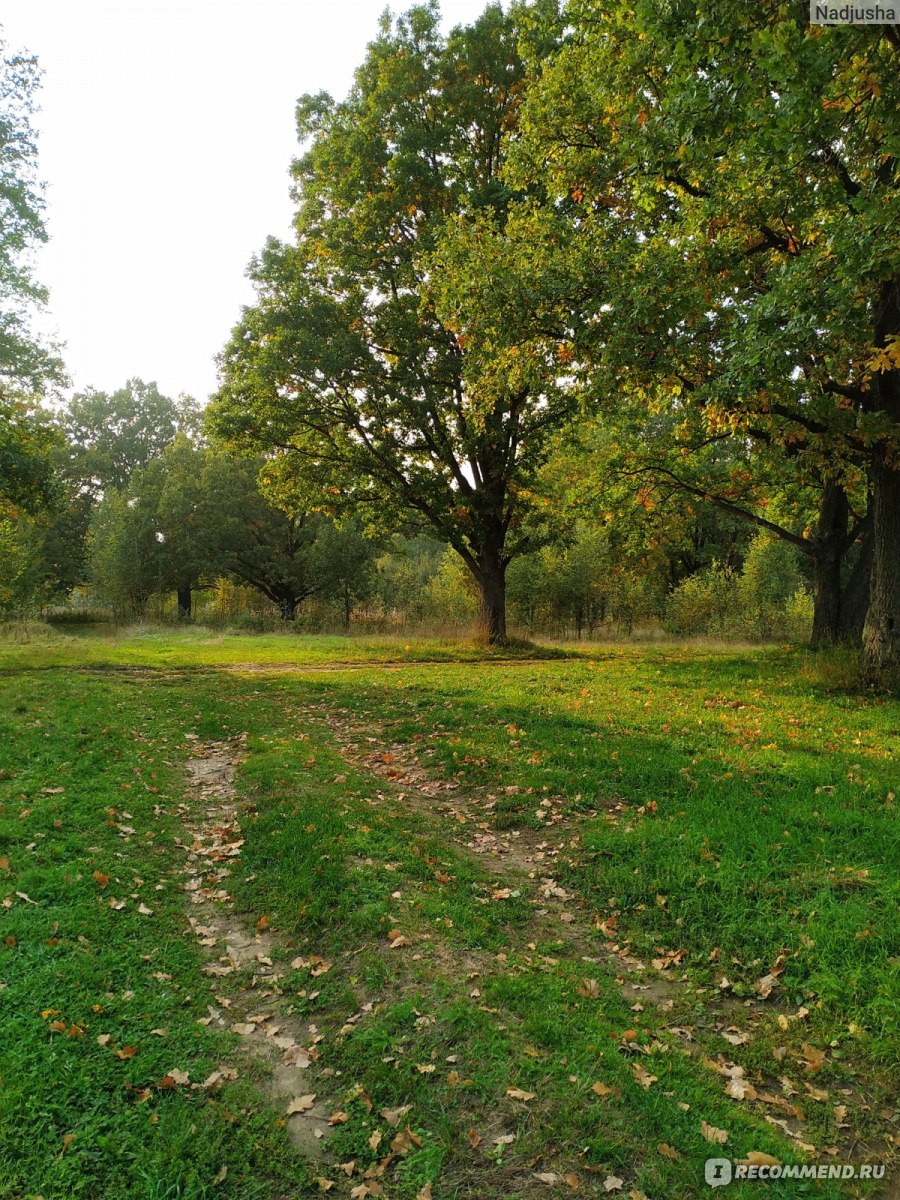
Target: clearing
[434,924]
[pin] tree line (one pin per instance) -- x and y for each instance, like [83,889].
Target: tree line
[630,269]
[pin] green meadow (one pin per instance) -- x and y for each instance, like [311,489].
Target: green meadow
[587,917]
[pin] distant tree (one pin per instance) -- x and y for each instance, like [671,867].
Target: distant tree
[124,546]
[346,561]
[113,434]
[28,442]
[278,553]
[189,525]
[356,359]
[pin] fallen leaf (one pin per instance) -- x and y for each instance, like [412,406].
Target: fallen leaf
[757,1159]
[301,1104]
[220,1176]
[405,1140]
[424,1193]
[612,1183]
[474,1138]
[712,1134]
[600,1089]
[814,1058]
[668,1151]
[642,1076]
[505,1139]
[393,1116]
[339,1117]
[375,1140]
[573,1180]
[325,1185]
[589,988]
[126,1052]
[517,1094]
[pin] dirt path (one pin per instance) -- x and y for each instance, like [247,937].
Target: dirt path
[231,949]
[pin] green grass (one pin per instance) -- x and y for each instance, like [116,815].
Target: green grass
[768,828]
[103,645]
[764,829]
[79,765]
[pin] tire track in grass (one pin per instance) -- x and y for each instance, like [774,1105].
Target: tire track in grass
[283,1046]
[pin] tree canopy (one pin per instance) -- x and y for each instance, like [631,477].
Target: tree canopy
[24,359]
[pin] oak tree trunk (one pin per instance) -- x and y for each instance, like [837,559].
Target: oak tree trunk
[287,608]
[183,593]
[855,592]
[881,633]
[491,578]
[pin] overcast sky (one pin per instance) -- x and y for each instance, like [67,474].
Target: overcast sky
[166,132]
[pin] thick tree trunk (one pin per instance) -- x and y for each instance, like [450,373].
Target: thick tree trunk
[826,627]
[831,544]
[287,607]
[184,602]
[855,593]
[881,633]
[491,577]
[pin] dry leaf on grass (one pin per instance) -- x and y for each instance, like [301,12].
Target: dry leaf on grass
[301,1104]
[757,1159]
[394,1116]
[517,1094]
[642,1076]
[712,1134]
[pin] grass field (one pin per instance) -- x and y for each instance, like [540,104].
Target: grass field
[537,925]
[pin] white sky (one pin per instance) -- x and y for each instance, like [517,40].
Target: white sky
[166,133]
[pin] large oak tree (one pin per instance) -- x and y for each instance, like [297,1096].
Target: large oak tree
[734,175]
[353,365]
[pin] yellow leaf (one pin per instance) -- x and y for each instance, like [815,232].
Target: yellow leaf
[712,1134]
